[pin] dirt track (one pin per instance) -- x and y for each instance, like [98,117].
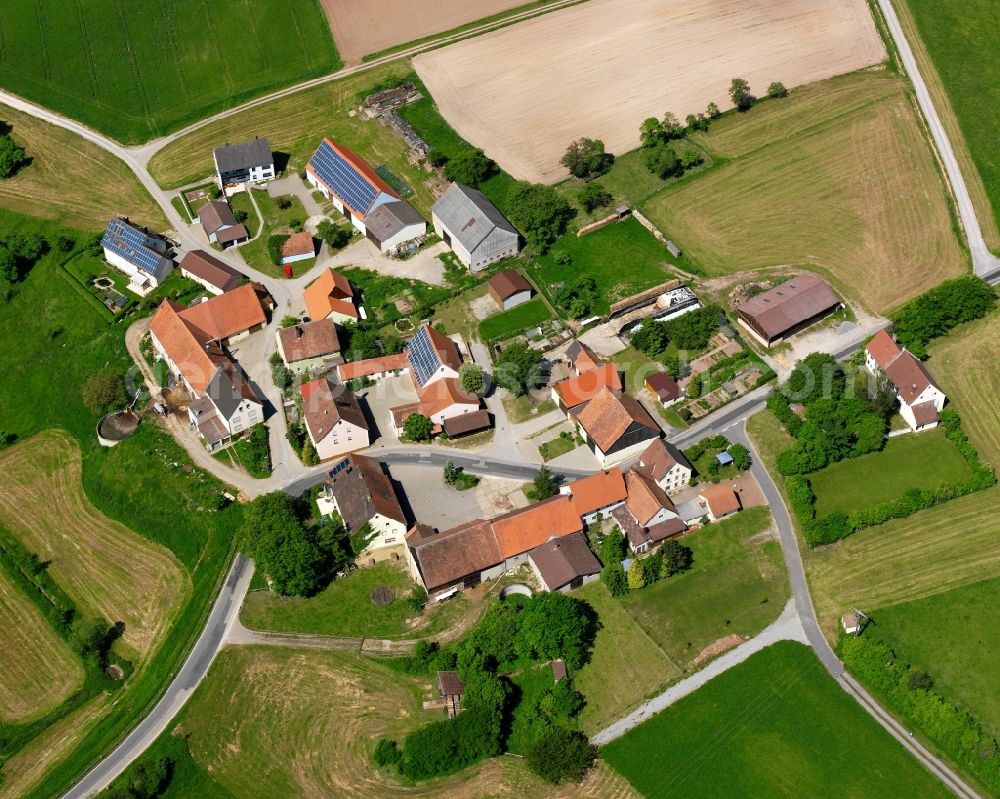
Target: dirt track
[524,92]
[361,27]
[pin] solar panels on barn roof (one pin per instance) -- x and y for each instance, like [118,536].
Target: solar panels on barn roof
[423,357]
[344,173]
[132,244]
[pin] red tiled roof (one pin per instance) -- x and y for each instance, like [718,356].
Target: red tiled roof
[909,376]
[324,405]
[645,497]
[225,315]
[583,357]
[524,529]
[298,244]
[660,457]
[442,394]
[924,413]
[451,555]
[211,270]
[330,292]
[372,366]
[721,500]
[504,285]
[597,491]
[883,349]
[583,387]
[607,416]
[309,340]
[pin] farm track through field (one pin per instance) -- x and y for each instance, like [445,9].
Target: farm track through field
[105,568]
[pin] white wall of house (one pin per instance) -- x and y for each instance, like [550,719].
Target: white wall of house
[342,439]
[389,533]
[561,588]
[163,270]
[453,410]
[341,318]
[674,479]
[442,372]
[516,299]
[929,394]
[247,414]
[201,281]
[406,234]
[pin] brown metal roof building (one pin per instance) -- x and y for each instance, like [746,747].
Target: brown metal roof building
[564,563]
[213,274]
[465,423]
[788,308]
[509,288]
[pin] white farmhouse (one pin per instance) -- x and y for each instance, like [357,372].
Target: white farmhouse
[334,419]
[247,162]
[142,256]
[920,399]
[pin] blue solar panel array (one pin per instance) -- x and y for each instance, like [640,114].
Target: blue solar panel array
[423,357]
[343,179]
[339,467]
[131,244]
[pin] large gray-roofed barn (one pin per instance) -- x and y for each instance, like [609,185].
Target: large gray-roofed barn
[244,155]
[477,232]
[787,308]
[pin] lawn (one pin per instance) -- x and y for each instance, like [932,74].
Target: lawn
[521,409]
[775,725]
[557,446]
[379,294]
[250,453]
[276,221]
[72,181]
[295,125]
[626,666]
[837,178]
[139,70]
[961,39]
[345,608]
[736,585]
[528,686]
[622,258]
[54,338]
[39,669]
[518,319]
[909,461]
[952,637]
[307,721]
[243,202]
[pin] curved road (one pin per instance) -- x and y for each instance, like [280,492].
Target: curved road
[226,607]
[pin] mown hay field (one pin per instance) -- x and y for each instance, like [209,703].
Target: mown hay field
[105,568]
[39,669]
[276,723]
[141,69]
[524,92]
[295,125]
[837,178]
[72,181]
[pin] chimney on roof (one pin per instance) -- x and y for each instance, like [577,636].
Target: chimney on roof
[298,331]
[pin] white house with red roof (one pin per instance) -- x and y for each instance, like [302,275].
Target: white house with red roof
[920,398]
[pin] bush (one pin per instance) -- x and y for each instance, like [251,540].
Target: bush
[12,157]
[274,245]
[470,167]
[104,391]
[417,427]
[777,89]
[540,212]
[561,755]
[386,753]
[939,310]
[283,203]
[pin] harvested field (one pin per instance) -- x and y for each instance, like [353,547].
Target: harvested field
[39,670]
[102,565]
[361,27]
[573,73]
[71,180]
[276,723]
[837,178]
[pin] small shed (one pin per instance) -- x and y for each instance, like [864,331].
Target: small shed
[724,458]
[673,249]
[451,687]
[558,670]
[851,623]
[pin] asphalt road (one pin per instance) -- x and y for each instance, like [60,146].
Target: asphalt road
[222,617]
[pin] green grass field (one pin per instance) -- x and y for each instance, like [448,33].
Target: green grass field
[142,69]
[345,608]
[909,461]
[962,39]
[509,323]
[736,585]
[49,328]
[951,636]
[776,725]
[837,178]
[622,258]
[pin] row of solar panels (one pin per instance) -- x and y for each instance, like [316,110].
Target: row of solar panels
[423,357]
[131,244]
[343,178]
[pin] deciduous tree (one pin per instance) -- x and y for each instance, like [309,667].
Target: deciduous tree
[470,167]
[540,212]
[739,93]
[417,427]
[585,158]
